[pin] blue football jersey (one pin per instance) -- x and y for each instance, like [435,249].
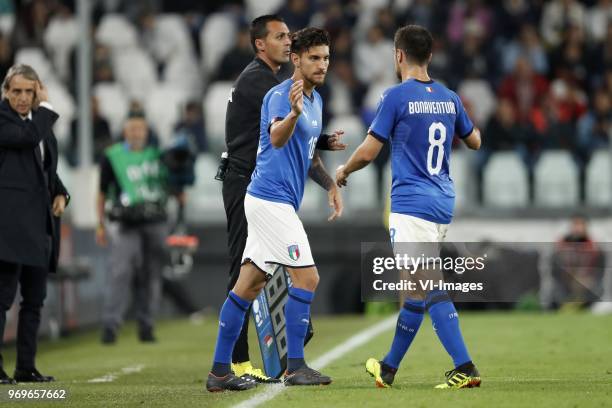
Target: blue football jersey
[419,119]
[280,173]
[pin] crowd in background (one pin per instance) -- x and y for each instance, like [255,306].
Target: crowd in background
[534,75]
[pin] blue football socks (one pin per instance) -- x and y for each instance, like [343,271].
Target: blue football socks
[230,323]
[297,317]
[445,322]
[408,323]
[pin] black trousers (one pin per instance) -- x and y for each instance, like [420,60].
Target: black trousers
[33,282]
[234,190]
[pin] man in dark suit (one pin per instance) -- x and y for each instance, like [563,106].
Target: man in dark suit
[32,198]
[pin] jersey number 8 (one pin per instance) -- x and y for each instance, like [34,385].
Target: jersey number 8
[434,164]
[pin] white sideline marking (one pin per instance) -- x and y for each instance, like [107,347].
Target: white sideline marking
[332,355]
[110,377]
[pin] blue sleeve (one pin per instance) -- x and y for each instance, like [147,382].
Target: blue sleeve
[278,105]
[384,121]
[463,124]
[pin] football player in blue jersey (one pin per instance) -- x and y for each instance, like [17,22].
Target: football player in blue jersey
[291,123]
[419,117]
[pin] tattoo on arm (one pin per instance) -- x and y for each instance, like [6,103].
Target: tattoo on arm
[318,173]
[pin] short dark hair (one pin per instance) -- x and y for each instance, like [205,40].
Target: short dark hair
[259,27]
[308,37]
[415,41]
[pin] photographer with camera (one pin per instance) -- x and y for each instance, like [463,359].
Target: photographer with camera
[132,220]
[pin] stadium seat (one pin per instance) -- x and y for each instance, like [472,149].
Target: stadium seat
[36,58]
[505,181]
[556,180]
[171,37]
[163,109]
[463,178]
[136,71]
[479,95]
[256,8]
[218,35]
[60,38]
[214,106]
[360,194]
[64,105]
[113,104]
[204,199]
[7,23]
[117,32]
[599,180]
[182,71]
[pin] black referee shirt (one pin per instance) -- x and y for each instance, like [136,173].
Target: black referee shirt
[243,115]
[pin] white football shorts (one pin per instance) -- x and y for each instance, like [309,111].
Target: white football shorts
[415,236]
[276,236]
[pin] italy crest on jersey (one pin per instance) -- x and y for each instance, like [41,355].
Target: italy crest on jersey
[294,252]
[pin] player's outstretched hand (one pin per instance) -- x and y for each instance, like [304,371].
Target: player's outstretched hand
[296,96]
[341,176]
[334,142]
[335,202]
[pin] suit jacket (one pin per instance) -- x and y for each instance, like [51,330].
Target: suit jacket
[27,189]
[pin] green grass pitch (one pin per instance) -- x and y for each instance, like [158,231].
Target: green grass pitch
[531,360]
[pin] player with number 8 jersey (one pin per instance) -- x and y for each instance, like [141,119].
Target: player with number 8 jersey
[419,117]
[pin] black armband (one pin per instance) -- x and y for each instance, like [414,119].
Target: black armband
[323,142]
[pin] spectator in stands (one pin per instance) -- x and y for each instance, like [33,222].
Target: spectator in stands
[342,46]
[562,108]
[598,19]
[578,266]
[594,127]
[297,13]
[477,91]
[441,67]
[476,60]
[512,15]
[525,89]
[466,13]
[7,54]
[422,12]
[504,133]
[528,44]
[102,64]
[601,59]
[336,18]
[238,57]
[193,123]
[371,59]
[102,68]
[571,58]
[31,20]
[386,21]
[347,92]
[102,137]
[557,16]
